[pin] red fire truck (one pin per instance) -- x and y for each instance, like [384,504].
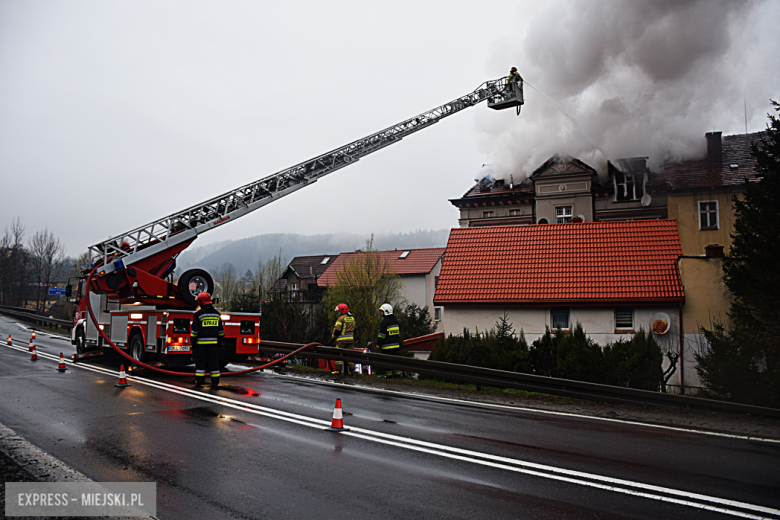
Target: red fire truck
[132,292]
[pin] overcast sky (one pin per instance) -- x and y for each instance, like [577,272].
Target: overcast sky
[114,114]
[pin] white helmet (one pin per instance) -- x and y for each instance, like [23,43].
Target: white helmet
[386,309]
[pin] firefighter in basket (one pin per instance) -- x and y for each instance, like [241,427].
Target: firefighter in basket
[512,80]
[344,334]
[389,339]
[207,332]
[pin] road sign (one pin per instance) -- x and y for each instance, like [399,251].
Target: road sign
[56,291]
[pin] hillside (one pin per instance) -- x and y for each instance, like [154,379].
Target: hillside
[246,253]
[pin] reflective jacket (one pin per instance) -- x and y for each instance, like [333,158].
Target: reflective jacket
[207,326]
[344,330]
[389,333]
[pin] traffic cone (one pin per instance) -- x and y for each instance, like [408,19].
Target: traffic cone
[10,344]
[61,366]
[122,378]
[33,355]
[337,424]
[33,334]
[31,346]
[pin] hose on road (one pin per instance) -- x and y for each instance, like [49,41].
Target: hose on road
[171,372]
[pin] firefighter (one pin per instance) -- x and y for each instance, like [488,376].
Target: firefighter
[344,334]
[512,79]
[207,331]
[389,339]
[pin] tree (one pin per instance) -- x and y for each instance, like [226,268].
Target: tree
[266,275]
[752,273]
[364,284]
[226,285]
[47,254]
[15,273]
[415,321]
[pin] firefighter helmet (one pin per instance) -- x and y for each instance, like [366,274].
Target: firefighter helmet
[386,309]
[342,308]
[513,69]
[204,298]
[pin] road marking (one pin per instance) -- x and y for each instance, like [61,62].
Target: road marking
[640,489]
[537,410]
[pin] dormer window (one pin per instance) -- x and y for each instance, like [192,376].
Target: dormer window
[628,186]
[563,214]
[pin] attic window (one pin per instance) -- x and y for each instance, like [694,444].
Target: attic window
[404,255]
[325,260]
[628,186]
[734,166]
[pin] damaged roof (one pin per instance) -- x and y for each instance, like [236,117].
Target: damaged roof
[309,266]
[727,169]
[627,262]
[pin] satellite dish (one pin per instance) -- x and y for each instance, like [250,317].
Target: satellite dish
[646,199]
[659,323]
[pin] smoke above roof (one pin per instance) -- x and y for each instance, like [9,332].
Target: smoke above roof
[639,78]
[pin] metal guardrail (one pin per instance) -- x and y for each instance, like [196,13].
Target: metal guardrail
[528,382]
[30,316]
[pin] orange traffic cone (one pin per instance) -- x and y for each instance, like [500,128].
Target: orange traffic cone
[33,355]
[10,344]
[122,377]
[61,366]
[337,424]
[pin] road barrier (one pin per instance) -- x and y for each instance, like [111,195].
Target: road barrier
[520,381]
[31,317]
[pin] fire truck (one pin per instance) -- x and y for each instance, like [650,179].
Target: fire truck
[146,311]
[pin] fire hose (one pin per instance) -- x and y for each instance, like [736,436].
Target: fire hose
[171,372]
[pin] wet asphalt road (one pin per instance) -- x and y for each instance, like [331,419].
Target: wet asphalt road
[256,448]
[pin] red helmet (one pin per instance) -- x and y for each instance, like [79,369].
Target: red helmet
[514,69]
[342,308]
[204,298]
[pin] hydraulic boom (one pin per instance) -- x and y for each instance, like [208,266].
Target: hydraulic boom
[134,264]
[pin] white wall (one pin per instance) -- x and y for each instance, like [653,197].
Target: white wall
[598,322]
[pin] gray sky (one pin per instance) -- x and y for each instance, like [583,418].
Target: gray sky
[113,114]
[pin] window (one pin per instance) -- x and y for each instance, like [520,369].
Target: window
[404,255]
[435,281]
[486,214]
[294,286]
[628,186]
[560,319]
[708,214]
[562,214]
[624,318]
[514,212]
[437,313]
[325,260]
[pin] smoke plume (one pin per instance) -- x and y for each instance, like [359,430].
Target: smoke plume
[640,78]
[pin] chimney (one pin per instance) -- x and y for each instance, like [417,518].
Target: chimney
[714,146]
[714,251]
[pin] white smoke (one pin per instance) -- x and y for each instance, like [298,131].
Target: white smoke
[640,78]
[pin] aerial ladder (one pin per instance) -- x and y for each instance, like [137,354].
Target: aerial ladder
[135,267]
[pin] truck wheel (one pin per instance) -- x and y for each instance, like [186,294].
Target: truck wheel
[137,348]
[81,341]
[194,282]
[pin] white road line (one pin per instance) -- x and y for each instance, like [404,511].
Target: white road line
[519,466]
[540,411]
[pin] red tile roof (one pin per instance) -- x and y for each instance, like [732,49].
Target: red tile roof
[592,262]
[419,261]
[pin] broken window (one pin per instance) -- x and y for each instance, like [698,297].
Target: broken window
[563,214]
[628,186]
[560,319]
[708,214]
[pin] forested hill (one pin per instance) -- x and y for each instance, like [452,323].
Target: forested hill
[246,253]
